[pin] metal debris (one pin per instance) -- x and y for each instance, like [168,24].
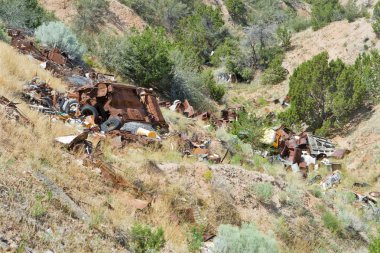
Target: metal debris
[331,180]
[12,112]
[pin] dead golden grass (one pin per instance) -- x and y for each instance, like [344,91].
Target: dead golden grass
[16,68]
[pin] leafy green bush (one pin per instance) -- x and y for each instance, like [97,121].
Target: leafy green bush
[368,67]
[166,13]
[216,91]
[263,191]
[322,93]
[324,12]
[237,10]
[23,13]
[248,128]
[284,36]
[56,34]
[298,24]
[374,247]
[3,33]
[275,73]
[90,15]
[142,57]
[352,11]
[202,31]
[247,239]
[196,238]
[331,222]
[376,17]
[143,239]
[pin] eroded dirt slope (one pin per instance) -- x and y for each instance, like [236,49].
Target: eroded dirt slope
[340,39]
[120,17]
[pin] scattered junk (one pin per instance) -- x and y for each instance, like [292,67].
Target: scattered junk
[12,112]
[228,115]
[300,153]
[331,180]
[200,149]
[113,104]
[367,199]
[121,112]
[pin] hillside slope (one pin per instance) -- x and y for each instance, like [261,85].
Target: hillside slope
[120,17]
[340,39]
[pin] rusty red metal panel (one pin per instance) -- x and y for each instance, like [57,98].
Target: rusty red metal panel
[56,56]
[295,155]
[126,102]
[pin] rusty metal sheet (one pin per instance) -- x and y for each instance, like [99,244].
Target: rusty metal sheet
[56,56]
[189,110]
[126,102]
[12,111]
[295,155]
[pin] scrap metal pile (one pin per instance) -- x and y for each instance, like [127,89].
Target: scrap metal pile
[114,109]
[227,116]
[302,152]
[60,64]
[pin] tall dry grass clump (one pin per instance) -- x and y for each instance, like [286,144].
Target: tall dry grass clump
[16,68]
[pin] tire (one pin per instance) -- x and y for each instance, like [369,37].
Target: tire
[111,124]
[71,106]
[47,102]
[88,110]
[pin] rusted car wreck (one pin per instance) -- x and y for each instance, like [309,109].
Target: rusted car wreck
[114,104]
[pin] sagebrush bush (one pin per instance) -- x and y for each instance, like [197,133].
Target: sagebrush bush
[57,34]
[144,239]
[263,191]
[247,239]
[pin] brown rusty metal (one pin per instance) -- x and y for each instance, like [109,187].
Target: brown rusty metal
[128,103]
[56,56]
[12,112]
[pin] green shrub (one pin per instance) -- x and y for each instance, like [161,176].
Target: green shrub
[352,11]
[3,33]
[196,238]
[141,57]
[275,73]
[331,222]
[324,12]
[263,191]
[202,31]
[216,91]
[298,24]
[90,15]
[368,67]
[376,17]
[374,247]
[324,92]
[189,85]
[247,239]
[143,239]
[38,210]
[165,13]
[23,13]
[237,10]
[284,36]
[56,34]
